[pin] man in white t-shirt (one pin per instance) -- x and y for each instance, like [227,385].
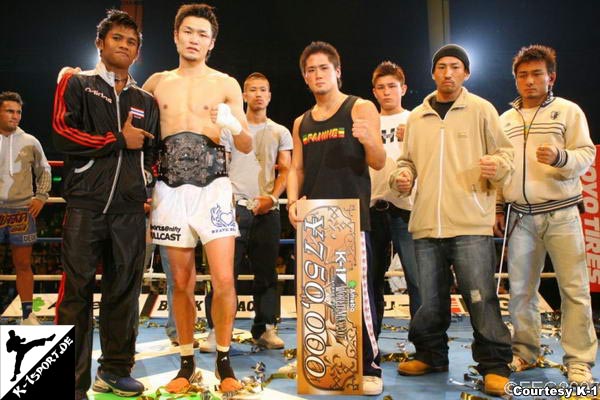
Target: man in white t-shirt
[390,213]
[256,191]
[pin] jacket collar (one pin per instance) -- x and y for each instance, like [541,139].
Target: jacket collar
[460,102]
[109,77]
[518,102]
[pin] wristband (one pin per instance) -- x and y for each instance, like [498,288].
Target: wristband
[275,200]
[225,119]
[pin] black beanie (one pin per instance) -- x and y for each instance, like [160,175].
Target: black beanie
[451,50]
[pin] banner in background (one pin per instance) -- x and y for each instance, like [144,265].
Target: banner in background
[591,222]
[396,306]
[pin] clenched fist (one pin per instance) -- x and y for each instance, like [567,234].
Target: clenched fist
[547,154]
[403,182]
[488,167]
[360,130]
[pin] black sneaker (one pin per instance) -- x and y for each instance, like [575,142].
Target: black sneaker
[124,386]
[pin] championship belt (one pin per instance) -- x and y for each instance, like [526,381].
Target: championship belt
[191,158]
[329,301]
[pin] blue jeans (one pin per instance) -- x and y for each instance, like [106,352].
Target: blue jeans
[474,261]
[390,223]
[558,233]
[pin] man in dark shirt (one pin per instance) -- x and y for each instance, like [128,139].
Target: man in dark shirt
[334,144]
[101,122]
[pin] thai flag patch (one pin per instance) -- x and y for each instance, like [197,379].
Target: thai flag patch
[136,112]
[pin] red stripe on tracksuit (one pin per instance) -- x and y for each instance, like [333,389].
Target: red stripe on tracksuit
[72,134]
[63,282]
[61,295]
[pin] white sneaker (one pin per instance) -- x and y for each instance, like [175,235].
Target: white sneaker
[209,345]
[31,320]
[579,373]
[372,385]
[269,339]
[289,369]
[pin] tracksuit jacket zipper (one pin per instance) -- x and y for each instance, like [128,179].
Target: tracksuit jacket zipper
[118,170]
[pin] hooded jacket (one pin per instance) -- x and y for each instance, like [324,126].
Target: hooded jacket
[21,158]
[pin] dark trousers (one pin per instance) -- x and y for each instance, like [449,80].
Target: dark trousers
[259,242]
[118,240]
[370,327]
[390,224]
[474,261]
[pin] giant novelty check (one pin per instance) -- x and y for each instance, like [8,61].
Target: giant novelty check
[329,259]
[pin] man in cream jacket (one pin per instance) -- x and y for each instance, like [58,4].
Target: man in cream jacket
[455,146]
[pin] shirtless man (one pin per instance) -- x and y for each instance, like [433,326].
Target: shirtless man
[193,198]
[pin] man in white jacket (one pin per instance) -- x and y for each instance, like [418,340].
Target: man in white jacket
[555,150]
[20,155]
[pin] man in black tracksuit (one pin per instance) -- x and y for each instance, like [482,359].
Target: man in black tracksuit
[101,122]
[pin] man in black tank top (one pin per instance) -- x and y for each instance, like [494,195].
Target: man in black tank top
[335,143]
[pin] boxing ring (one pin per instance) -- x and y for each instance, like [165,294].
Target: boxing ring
[157,360]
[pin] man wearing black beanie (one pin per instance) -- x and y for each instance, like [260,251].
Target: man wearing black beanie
[451,50]
[455,145]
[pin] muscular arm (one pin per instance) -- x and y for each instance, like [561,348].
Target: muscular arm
[295,178]
[366,129]
[284,159]
[243,141]
[152,82]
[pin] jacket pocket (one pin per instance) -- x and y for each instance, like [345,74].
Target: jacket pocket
[476,201]
[481,204]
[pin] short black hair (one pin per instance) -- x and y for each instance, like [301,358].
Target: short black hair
[11,96]
[200,11]
[256,75]
[388,68]
[117,17]
[535,52]
[325,48]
